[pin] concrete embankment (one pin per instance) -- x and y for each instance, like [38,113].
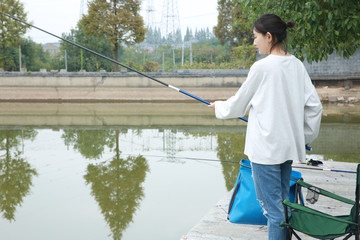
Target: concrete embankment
[122,87]
[215,226]
[111,87]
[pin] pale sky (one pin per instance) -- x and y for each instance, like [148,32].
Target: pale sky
[59,16]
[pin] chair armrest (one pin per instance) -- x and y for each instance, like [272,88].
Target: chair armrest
[326,193]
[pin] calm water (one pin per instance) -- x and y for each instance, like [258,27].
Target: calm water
[128,171]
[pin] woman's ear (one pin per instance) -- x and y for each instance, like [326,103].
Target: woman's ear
[269,37]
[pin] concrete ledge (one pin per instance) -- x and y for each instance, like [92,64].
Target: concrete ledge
[112,80]
[214,225]
[173,73]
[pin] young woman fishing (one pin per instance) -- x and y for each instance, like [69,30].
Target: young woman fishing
[284,116]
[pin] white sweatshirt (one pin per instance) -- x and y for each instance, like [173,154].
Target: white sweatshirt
[284,110]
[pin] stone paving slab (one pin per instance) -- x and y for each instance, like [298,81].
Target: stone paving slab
[214,225]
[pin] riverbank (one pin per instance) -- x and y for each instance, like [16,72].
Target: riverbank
[215,226]
[130,87]
[338,95]
[163,94]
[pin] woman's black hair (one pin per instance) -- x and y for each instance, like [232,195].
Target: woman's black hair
[273,24]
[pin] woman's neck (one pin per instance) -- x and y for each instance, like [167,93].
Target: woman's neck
[278,50]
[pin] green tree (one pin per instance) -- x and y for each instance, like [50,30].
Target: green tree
[133,57]
[243,55]
[10,58]
[33,55]
[203,35]
[152,39]
[118,21]
[10,30]
[227,30]
[91,62]
[323,26]
[188,35]
[211,55]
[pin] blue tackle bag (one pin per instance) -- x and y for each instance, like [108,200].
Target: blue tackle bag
[244,207]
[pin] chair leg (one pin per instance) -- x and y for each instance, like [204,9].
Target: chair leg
[289,234]
[294,233]
[353,234]
[348,236]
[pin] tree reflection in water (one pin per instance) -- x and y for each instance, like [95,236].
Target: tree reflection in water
[15,173]
[116,184]
[230,148]
[90,143]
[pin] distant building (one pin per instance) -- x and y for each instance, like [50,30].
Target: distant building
[52,48]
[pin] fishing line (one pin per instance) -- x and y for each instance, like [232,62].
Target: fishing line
[114,61]
[238,162]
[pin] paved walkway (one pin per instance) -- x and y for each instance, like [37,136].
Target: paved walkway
[215,226]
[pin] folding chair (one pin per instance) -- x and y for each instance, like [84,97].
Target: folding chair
[321,225]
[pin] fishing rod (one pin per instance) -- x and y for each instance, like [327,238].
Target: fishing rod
[114,61]
[127,67]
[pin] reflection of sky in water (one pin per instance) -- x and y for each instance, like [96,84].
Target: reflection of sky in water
[177,192]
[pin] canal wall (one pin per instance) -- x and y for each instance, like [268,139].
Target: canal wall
[110,87]
[129,86]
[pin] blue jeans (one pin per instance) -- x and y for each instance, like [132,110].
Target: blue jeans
[272,184]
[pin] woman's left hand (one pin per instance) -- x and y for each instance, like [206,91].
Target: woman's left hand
[212,105]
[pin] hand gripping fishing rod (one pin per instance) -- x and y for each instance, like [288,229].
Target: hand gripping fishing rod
[116,62]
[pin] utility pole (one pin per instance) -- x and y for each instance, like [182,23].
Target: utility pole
[66,67]
[173,56]
[182,54]
[19,58]
[163,62]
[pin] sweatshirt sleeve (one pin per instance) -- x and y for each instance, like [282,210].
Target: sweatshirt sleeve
[312,114]
[237,105]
